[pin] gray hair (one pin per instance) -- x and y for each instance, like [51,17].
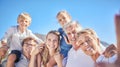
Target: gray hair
[73,23]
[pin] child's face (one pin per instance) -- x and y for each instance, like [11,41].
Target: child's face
[23,23]
[88,44]
[63,18]
[52,41]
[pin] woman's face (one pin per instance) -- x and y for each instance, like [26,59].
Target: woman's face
[52,41]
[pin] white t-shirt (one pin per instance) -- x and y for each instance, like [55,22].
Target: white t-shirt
[79,59]
[14,37]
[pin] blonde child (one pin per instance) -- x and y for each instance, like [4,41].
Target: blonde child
[14,36]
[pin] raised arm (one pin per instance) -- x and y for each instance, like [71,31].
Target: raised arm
[117,26]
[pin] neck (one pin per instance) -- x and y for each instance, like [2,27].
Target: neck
[27,55]
[95,56]
[51,52]
[76,47]
[21,29]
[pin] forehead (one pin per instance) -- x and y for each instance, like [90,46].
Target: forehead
[86,36]
[30,42]
[70,28]
[24,18]
[52,36]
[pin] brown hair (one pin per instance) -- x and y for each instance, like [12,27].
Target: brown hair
[28,39]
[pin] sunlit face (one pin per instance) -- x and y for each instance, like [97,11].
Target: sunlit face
[88,44]
[28,45]
[71,34]
[52,41]
[63,18]
[23,23]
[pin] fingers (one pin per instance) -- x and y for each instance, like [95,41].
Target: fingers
[66,40]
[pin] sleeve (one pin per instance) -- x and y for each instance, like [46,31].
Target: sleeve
[34,36]
[60,30]
[8,35]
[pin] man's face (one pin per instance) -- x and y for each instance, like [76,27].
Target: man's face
[63,19]
[71,34]
[28,45]
[88,43]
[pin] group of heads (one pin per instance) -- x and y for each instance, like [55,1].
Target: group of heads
[78,37]
[52,42]
[85,39]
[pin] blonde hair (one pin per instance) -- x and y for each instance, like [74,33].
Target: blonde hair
[88,31]
[63,12]
[45,52]
[24,15]
[76,24]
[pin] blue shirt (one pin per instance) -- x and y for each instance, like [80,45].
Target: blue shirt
[64,47]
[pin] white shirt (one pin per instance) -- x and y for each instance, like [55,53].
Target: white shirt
[14,37]
[79,59]
[102,58]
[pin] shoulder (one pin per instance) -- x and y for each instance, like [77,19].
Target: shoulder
[60,30]
[13,27]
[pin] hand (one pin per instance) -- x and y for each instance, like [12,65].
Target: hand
[3,51]
[36,50]
[3,43]
[58,59]
[66,40]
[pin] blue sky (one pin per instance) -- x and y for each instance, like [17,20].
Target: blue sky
[96,14]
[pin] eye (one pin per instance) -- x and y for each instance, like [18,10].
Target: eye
[73,32]
[60,20]
[68,33]
[48,40]
[63,18]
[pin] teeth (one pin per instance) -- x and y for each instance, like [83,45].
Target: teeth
[88,49]
[73,39]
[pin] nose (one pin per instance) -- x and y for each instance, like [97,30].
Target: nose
[73,35]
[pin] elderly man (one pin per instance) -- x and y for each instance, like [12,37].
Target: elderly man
[76,57]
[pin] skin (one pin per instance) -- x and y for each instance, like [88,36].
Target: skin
[63,18]
[71,34]
[52,45]
[23,24]
[89,45]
